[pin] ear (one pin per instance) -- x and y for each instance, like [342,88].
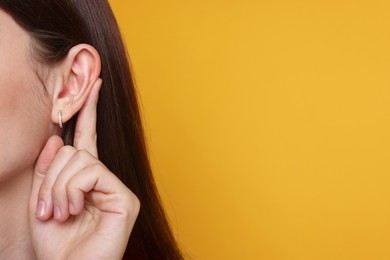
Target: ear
[76,75]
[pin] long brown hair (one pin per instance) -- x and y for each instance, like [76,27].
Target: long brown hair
[58,25]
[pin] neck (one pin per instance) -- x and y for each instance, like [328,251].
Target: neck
[15,241]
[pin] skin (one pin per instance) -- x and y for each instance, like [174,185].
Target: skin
[56,201]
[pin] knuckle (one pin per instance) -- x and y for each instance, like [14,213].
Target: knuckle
[65,150]
[44,190]
[57,190]
[95,166]
[134,204]
[69,187]
[80,153]
[130,206]
[83,155]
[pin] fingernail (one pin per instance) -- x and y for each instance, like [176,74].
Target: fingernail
[57,212]
[41,209]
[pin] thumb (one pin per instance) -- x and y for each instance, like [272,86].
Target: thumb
[42,166]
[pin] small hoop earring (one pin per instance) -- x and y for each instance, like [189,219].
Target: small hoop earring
[60,118]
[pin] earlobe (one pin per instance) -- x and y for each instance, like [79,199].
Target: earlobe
[78,73]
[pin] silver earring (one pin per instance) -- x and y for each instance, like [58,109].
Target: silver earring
[60,118]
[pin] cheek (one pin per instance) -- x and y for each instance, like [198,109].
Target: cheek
[24,114]
[24,121]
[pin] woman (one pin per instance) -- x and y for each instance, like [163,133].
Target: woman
[64,72]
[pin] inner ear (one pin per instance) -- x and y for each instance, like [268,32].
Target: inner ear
[83,71]
[71,87]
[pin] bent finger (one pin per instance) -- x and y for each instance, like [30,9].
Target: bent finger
[106,191]
[41,168]
[45,206]
[78,161]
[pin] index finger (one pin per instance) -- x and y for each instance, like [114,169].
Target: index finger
[85,133]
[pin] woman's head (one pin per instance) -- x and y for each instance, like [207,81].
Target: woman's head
[56,29]
[52,52]
[47,65]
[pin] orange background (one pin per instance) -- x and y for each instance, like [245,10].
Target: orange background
[268,123]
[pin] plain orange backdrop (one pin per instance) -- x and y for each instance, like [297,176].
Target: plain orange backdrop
[268,123]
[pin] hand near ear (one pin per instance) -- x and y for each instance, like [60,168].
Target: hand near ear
[78,208]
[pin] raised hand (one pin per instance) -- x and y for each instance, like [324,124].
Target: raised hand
[78,208]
